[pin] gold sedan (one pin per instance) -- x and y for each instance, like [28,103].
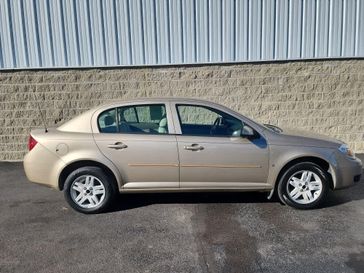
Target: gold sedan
[165,145]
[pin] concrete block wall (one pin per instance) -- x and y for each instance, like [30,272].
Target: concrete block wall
[321,96]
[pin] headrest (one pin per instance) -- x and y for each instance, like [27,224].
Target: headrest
[163,122]
[109,120]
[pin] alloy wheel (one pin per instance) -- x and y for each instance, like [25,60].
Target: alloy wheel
[304,187]
[87,191]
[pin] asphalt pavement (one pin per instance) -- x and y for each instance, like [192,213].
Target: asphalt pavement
[184,232]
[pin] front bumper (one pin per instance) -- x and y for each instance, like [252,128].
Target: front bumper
[345,171]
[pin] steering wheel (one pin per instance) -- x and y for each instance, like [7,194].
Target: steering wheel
[218,122]
[124,127]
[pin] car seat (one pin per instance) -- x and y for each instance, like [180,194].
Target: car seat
[163,129]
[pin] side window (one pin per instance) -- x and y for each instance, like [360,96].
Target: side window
[196,115]
[150,113]
[137,119]
[129,114]
[143,119]
[205,121]
[107,121]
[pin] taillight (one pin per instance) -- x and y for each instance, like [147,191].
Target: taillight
[31,143]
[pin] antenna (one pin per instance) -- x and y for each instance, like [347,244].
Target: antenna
[40,111]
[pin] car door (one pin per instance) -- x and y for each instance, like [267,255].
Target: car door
[139,140]
[212,152]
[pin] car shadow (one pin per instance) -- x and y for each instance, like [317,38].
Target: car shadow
[132,201]
[338,197]
[343,196]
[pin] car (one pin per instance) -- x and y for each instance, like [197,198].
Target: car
[179,144]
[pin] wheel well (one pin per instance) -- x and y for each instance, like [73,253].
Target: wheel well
[84,163]
[319,161]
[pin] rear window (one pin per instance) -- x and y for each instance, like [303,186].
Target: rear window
[134,119]
[107,121]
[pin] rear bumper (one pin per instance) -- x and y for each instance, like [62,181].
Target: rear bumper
[42,166]
[347,171]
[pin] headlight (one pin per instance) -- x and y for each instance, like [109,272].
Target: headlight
[344,148]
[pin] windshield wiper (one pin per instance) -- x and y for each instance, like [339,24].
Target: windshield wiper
[274,128]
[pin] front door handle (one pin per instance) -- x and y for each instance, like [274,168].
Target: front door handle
[194,147]
[117,146]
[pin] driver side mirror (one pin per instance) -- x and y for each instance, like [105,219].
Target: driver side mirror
[248,132]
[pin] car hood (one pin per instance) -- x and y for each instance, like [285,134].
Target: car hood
[296,137]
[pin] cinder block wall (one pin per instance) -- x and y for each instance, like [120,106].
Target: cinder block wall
[321,96]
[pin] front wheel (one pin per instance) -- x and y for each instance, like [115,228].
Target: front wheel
[303,186]
[89,190]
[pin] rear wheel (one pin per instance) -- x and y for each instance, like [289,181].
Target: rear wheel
[89,190]
[303,186]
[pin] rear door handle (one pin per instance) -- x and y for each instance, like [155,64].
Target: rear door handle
[193,147]
[117,146]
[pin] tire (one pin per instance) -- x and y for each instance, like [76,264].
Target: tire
[89,190]
[303,186]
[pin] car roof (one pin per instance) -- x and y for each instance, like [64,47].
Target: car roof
[180,100]
[155,99]
[69,126]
